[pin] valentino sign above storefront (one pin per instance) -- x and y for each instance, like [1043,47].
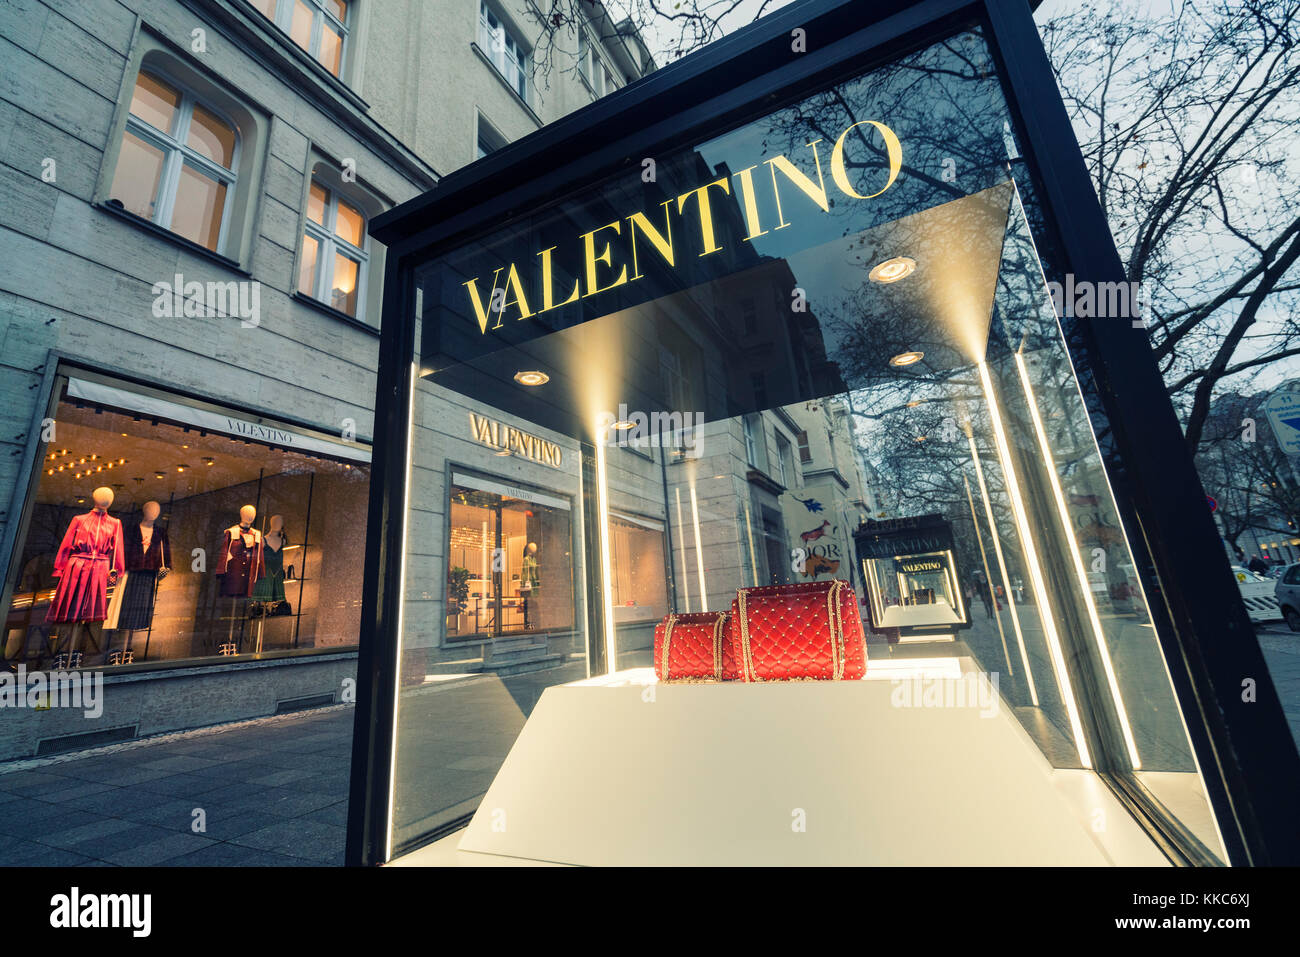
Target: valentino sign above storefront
[610,255]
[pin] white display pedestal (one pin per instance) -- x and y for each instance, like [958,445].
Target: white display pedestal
[612,772]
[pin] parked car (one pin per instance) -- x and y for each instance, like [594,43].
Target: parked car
[1257,592]
[1287,591]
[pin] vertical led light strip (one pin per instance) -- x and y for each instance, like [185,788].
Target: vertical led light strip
[401,612]
[869,568]
[1035,572]
[950,575]
[606,596]
[699,550]
[1002,567]
[483,566]
[753,555]
[681,539]
[583,560]
[984,560]
[1094,618]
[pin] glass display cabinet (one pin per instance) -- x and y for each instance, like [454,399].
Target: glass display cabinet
[786,314]
[913,580]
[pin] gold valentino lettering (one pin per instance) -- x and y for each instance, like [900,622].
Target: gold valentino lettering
[599,271]
[505,438]
[922,567]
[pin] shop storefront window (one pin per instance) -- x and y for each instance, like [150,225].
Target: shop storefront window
[231,546]
[510,568]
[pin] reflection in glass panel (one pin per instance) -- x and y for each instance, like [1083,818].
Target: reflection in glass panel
[155,102]
[343,296]
[135,181]
[509,563]
[212,138]
[351,225]
[307,265]
[200,201]
[317,200]
[300,27]
[638,586]
[331,49]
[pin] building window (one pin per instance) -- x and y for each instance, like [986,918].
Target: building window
[593,70]
[506,53]
[784,463]
[751,441]
[333,265]
[749,316]
[805,453]
[176,167]
[318,26]
[489,140]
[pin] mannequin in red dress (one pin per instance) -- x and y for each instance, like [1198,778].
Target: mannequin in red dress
[90,558]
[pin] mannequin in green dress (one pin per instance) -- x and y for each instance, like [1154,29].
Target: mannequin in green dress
[270,587]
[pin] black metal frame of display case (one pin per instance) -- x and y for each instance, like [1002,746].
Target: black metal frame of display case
[1246,754]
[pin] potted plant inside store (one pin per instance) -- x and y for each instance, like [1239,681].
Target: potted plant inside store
[457,591]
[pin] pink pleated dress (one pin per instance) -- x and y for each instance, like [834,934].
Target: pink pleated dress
[91,548]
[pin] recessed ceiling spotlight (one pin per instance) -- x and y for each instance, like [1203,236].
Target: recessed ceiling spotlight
[623,426]
[906,359]
[532,377]
[892,270]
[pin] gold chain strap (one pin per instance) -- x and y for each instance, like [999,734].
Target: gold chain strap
[717,645]
[837,630]
[746,663]
[668,637]
[830,623]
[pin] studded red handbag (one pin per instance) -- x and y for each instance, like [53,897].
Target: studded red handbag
[804,631]
[693,647]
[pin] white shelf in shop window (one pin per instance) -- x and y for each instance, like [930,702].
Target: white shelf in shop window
[623,771]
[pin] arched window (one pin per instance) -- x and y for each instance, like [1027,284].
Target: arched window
[335,250]
[176,167]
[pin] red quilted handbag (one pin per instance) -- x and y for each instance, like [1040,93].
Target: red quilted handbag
[693,647]
[805,631]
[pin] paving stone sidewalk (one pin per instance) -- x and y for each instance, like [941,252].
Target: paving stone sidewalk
[273,792]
